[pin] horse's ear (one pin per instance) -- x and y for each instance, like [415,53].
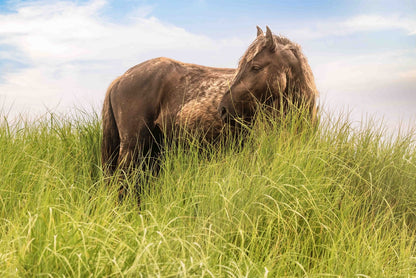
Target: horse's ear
[269,38]
[259,31]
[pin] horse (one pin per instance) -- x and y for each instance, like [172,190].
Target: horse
[152,101]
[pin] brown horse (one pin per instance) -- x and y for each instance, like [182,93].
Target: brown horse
[154,99]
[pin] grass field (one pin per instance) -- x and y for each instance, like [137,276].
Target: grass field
[292,202]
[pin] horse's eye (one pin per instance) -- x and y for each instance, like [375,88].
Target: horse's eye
[255,68]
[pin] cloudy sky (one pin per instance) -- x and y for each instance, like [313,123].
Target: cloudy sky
[58,55]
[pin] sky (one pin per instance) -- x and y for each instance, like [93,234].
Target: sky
[60,56]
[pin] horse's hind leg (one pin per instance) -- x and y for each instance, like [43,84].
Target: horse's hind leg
[125,160]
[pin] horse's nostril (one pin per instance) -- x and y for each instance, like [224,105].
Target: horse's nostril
[223,112]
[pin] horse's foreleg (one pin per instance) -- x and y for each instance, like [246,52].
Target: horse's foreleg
[140,152]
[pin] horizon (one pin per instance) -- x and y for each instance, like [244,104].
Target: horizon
[58,55]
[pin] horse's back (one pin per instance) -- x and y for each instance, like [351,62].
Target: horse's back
[171,76]
[166,92]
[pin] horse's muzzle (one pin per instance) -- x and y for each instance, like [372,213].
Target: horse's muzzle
[224,114]
[227,117]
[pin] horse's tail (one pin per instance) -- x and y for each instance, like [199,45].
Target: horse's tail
[111,141]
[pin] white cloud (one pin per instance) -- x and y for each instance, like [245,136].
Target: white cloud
[409,74]
[355,24]
[63,32]
[380,84]
[378,22]
[365,71]
[71,52]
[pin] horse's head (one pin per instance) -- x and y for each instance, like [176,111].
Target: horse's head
[272,71]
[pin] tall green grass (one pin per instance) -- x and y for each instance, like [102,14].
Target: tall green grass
[295,200]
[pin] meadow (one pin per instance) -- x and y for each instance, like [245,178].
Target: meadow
[294,200]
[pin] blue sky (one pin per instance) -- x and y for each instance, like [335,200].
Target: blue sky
[60,54]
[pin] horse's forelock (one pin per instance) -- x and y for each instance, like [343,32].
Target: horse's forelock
[257,45]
